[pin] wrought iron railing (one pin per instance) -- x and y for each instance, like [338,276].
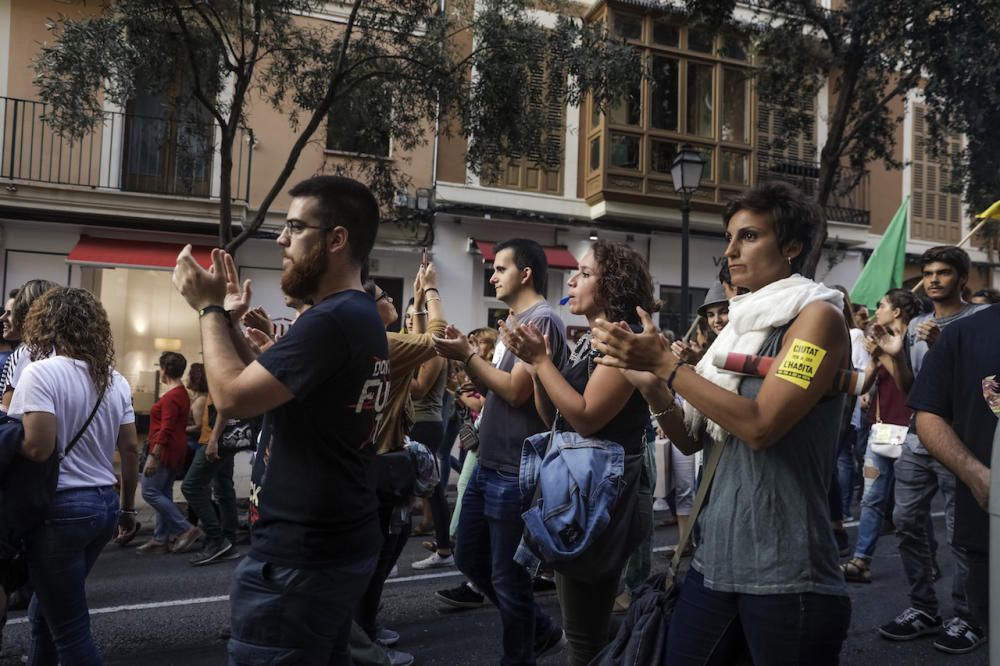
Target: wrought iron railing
[124,151]
[848,202]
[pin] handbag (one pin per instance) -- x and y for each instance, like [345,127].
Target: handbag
[395,475]
[30,487]
[642,636]
[886,439]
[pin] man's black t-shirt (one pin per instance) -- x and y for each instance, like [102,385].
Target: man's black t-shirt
[312,491]
[957,374]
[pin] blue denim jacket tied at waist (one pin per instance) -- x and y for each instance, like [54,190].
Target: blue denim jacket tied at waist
[580,478]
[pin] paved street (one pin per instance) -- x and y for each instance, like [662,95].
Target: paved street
[156,610]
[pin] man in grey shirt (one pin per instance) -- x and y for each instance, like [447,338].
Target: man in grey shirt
[919,475]
[490,526]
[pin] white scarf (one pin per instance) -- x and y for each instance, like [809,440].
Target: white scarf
[752,317]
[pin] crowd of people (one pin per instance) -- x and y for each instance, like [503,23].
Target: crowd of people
[351,426]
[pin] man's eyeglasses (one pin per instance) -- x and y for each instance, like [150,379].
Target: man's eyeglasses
[384,295]
[295,227]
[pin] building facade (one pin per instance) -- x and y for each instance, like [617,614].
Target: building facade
[110,211]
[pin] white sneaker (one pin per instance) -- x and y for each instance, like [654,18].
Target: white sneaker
[660,505]
[435,561]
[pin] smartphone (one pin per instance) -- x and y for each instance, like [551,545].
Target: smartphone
[423,257]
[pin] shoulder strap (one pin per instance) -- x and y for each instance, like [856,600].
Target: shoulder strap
[83,429]
[699,500]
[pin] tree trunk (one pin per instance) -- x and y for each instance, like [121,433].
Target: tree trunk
[226,189]
[829,158]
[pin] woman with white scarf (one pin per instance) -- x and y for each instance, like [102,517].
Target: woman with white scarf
[765,574]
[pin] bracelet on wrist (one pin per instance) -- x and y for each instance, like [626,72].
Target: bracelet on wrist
[468,359]
[208,309]
[431,300]
[672,377]
[663,412]
[128,512]
[434,289]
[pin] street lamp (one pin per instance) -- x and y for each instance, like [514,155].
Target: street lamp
[686,172]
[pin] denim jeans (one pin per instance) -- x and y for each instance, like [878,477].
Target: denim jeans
[708,628]
[284,615]
[878,475]
[918,478]
[61,554]
[202,478]
[488,535]
[158,492]
[845,467]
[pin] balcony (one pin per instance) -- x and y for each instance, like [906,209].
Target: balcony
[124,152]
[850,207]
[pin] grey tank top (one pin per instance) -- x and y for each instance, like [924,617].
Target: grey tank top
[766,526]
[428,408]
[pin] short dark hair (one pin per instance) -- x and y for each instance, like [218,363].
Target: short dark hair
[197,379]
[172,364]
[795,216]
[344,202]
[955,257]
[908,302]
[13,293]
[528,254]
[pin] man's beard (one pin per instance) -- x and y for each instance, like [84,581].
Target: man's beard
[301,279]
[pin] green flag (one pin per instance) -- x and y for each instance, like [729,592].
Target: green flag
[884,270]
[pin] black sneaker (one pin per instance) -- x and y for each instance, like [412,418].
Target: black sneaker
[911,623]
[462,596]
[960,637]
[214,551]
[550,643]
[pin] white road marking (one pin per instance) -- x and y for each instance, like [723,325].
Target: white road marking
[398,579]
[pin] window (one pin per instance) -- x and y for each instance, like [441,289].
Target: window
[661,155]
[624,151]
[627,111]
[735,106]
[628,26]
[734,168]
[699,40]
[595,153]
[666,34]
[735,47]
[670,313]
[357,122]
[665,92]
[700,101]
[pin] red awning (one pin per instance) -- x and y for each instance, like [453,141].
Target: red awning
[558,257]
[113,252]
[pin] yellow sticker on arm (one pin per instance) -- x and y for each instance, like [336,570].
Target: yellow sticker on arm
[801,363]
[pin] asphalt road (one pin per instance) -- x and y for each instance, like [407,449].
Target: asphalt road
[155,610]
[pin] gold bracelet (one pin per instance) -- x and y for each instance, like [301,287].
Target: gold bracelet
[431,300]
[664,412]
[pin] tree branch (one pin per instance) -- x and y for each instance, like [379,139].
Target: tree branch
[199,91]
[319,114]
[220,33]
[904,84]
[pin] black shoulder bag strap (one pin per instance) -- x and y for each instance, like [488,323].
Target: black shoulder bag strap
[83,429]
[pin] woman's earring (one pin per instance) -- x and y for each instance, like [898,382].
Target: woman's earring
[789,260]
